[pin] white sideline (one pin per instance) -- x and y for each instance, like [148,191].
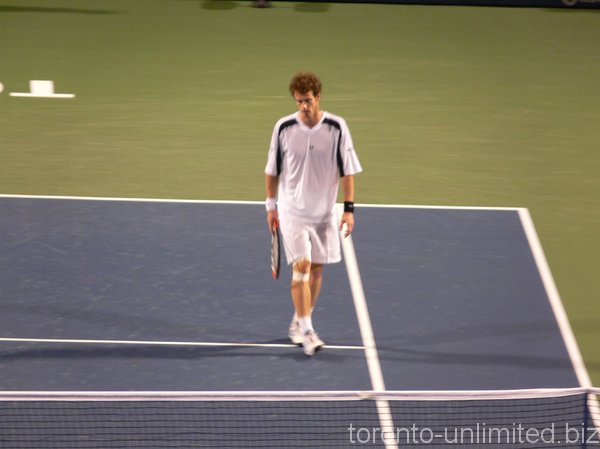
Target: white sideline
[566,331]
[553,296]
[366,331]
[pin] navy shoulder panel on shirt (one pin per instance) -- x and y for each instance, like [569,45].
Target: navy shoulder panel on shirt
[283,126]
[334,123]
[287,124]
[338,126]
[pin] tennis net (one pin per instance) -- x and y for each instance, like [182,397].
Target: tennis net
[544,418]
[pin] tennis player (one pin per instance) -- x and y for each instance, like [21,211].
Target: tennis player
[310,152]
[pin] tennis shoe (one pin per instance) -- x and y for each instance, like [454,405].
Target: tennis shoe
[312,343]
[295,333]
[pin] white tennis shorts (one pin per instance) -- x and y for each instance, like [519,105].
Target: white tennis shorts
[318,242]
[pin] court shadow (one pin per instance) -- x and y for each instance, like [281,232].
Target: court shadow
[121,352]
[485,331]
[472,359]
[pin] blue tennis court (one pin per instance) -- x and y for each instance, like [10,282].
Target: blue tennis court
[128,295]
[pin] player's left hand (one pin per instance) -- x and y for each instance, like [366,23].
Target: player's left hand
[348,219]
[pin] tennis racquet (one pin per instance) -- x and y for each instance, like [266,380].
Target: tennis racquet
[275,251]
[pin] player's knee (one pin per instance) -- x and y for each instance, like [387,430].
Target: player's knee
[301,266]
[301,270]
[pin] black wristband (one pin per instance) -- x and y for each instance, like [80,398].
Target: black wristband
[349,206]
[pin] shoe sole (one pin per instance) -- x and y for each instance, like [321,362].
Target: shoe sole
[316,349]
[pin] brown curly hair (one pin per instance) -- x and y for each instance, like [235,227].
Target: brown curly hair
[305,82]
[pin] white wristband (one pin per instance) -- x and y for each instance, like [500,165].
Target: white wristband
[271,204]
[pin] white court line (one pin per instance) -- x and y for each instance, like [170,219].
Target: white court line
[558,308]
[120,199]
[368,338]
[425,206]
[191,201]
[161,343]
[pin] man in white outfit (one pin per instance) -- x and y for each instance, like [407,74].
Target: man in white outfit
[310,152]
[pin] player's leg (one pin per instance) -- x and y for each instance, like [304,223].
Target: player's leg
[296,244]
[301,295]
[300,291]
[314,283]
[325,248]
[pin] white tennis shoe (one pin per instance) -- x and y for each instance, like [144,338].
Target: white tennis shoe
[295,333]
[312,343]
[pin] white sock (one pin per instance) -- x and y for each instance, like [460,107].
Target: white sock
[295,317]
[306,324]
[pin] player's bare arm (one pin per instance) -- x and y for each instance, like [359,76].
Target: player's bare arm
[271,183]
[348,216]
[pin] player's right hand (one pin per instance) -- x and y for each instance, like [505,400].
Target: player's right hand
[272,220]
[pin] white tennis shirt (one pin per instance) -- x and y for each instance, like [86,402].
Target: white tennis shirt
[309,163]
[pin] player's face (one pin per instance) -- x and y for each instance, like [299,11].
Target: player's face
[308,105]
